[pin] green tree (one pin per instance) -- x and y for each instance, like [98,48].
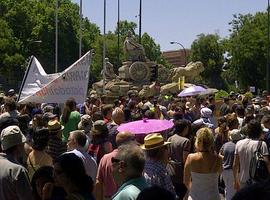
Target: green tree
[152,50]
[9,57]
[248,47]
[124,27]
[209,50]
[25,21]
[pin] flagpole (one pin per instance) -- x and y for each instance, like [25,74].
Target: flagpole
[56,37]
[25,76]
[80,43]
[104,47]
[118,35]
[140,22]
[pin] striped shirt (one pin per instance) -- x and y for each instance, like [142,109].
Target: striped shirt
[55,147]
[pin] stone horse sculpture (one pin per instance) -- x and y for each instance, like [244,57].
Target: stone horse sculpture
[191,71]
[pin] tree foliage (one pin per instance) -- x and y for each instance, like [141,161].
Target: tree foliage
[23,22]
[124,27]
[209,50]
[248,47]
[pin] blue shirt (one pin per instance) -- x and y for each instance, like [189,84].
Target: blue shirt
[130,189]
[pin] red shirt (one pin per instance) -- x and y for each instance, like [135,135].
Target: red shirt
[104,174]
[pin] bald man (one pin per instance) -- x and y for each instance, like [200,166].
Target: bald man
[105,184]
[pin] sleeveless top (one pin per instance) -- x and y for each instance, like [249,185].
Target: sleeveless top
[41,160]
[204,186]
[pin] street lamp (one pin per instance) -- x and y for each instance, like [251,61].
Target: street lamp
[140,22]
[118,34]
[80,40]
[104,46]
[31,42]
[268,52]
[56,36]
[185,52]
[27,50]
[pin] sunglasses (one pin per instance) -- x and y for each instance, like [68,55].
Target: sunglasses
[115,160]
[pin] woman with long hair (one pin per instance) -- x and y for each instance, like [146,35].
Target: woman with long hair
[70,118]
[221,133]
[202,168]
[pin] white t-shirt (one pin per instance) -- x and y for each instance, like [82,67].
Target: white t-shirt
[89,163]
[245,150]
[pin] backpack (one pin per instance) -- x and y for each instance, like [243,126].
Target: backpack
[258,170]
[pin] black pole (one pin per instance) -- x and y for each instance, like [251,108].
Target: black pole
[25,76]
[140,22]
[118,36]
[268,53]
[104,47]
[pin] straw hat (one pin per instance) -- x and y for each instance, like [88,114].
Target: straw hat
[54,126]
[154,141]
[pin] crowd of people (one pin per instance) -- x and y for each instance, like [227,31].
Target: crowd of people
[77,153]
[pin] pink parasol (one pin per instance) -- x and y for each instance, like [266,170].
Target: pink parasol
[146,126]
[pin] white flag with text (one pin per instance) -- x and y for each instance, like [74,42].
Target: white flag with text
[40,87]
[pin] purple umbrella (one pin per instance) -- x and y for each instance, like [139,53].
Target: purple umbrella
[146,126]
[191,91]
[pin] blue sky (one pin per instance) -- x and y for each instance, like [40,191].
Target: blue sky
[173,20]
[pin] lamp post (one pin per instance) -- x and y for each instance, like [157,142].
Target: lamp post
[185,52]
[56,36]
[268,52]
[80,42]
[27,49]
[140,22]
[31,42]
[118,34]
[104,46]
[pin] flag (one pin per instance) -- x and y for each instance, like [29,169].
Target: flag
[40,87]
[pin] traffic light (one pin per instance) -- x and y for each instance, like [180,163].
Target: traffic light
[154,73]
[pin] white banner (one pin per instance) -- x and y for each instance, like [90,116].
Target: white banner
[35,79]
[40,87]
